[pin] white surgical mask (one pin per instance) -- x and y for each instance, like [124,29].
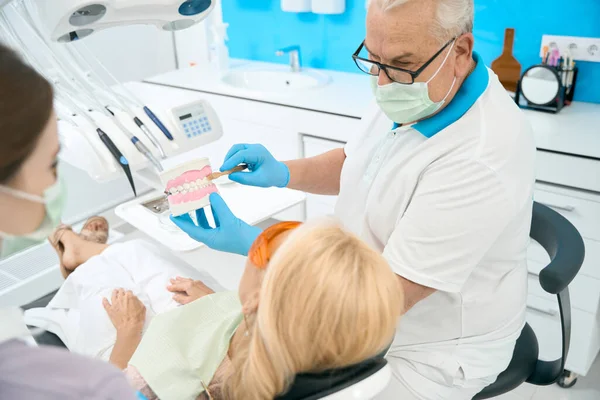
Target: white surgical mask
[408,103]
[54,201]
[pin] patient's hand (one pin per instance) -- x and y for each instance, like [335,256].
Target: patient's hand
[187,290]
[127,314]
[126,311]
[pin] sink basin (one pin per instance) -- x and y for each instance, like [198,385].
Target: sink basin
[275,81]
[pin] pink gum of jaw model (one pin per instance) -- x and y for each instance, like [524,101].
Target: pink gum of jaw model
[190,186]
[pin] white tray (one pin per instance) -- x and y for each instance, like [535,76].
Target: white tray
[250,204]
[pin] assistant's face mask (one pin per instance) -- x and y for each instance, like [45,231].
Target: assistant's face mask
[54,200]
[408,103]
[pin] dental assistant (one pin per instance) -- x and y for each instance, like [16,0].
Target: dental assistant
[31,203]
[440,180]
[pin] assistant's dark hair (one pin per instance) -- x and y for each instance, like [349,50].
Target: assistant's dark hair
[26,103]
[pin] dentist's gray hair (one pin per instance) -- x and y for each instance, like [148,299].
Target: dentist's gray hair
[454,17]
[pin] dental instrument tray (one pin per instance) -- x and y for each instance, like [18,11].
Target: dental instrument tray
[250,204]
[141,213]
[197,121]
[158,205]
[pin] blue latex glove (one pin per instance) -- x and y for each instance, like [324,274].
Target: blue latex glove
[231,234]
[265,170]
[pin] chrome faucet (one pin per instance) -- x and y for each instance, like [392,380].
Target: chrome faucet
[295,60]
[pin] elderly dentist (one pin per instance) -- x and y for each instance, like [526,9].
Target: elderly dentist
[440,181]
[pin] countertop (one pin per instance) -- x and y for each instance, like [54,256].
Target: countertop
[575,130]
[345,94]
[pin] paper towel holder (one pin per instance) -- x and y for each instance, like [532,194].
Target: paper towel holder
[328,6]
[296,5]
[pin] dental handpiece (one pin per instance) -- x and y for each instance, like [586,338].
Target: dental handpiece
[158,123]
[144,150]
[150,136]
[141,147]
[146,132]
[118,156]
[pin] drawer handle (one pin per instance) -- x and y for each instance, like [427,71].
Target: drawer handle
[563,208]
[549,311]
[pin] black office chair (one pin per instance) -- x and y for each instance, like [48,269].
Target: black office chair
[565,246]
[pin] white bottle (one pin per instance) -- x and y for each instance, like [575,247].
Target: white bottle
[295,5]
[328,6]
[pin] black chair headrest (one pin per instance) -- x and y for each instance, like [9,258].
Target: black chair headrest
[311,386]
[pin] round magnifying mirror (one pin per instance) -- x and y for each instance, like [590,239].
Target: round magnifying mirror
[540,85]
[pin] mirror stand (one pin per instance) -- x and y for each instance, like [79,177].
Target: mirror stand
[546,88]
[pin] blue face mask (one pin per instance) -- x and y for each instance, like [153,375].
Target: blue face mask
[54,199]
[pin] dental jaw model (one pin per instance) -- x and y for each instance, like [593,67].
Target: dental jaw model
[188,186]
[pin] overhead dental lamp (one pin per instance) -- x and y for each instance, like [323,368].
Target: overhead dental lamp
[103,126]
[70,20]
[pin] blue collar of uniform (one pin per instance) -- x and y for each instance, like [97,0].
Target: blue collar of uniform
[471,89]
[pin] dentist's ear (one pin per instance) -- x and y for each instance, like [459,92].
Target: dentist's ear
[251,305]
[464,55]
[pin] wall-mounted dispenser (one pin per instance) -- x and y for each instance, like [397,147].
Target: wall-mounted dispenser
[328,6]
[296,5]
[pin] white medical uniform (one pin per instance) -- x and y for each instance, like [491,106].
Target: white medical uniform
[448,202]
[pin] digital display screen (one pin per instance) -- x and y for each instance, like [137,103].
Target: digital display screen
[186,116]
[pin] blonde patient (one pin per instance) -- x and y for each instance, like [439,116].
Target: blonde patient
[314,298]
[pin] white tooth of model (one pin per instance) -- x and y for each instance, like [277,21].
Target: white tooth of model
[186,186]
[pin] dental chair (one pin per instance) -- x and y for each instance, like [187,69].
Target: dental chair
[566,249]
[366,380]
[361,381]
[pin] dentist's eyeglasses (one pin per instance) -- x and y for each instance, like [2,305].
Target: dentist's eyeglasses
[395,74]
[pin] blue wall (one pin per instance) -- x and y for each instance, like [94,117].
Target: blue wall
[258,28]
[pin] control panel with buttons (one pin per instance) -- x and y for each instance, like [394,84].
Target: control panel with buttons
[197,121]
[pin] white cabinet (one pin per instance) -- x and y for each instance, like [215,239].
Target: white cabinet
[317,205]
[543,317]
[567,170]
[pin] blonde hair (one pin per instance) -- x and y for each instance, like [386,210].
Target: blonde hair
[454,17]
[327,301]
